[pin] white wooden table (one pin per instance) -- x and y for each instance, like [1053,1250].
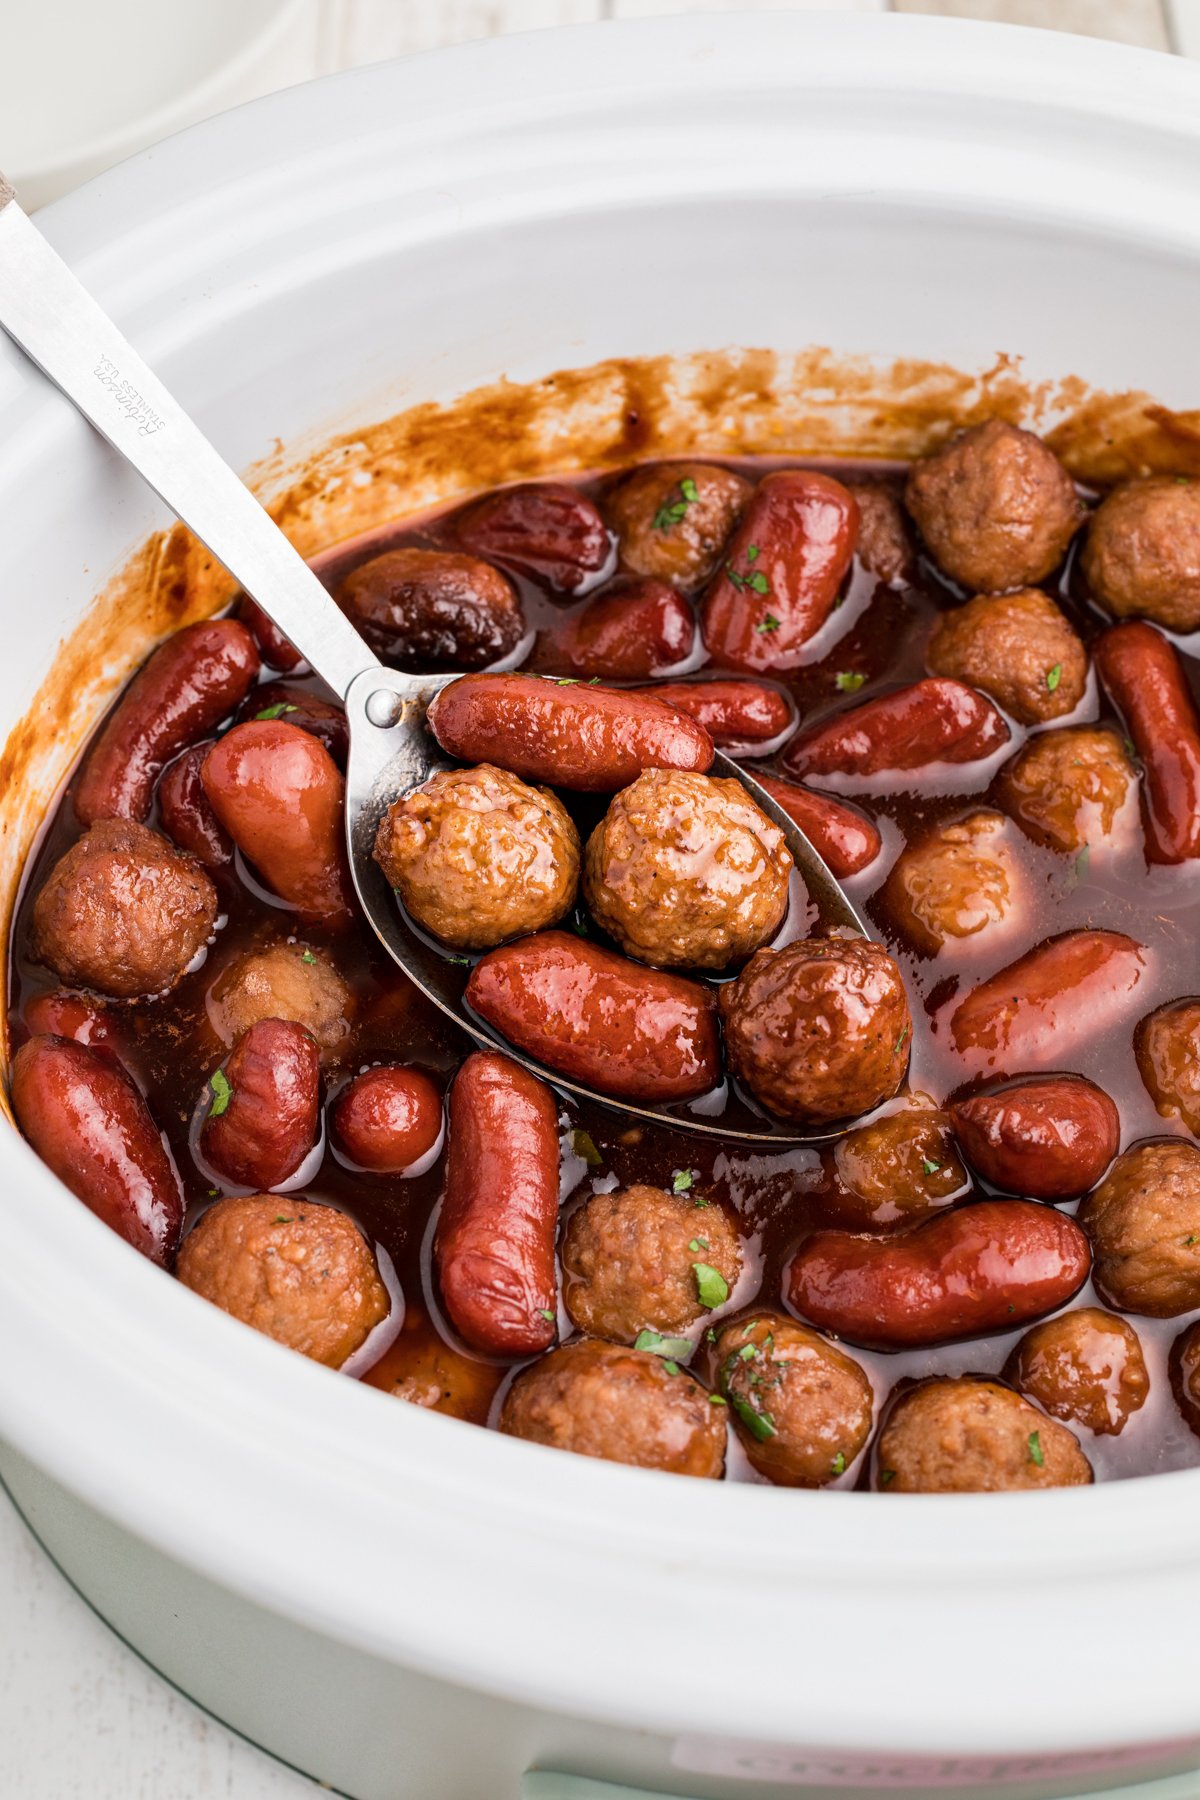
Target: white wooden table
[81,1718]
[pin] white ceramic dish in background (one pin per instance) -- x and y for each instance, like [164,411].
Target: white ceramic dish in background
[400,1604]
[84,84]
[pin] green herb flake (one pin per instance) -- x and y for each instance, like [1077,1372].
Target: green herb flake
[885,1476]
[658,1345]
[672,1368]
[221,1091]
[280,1219]
[463,961]
[747,1353]
[838,1465]
[752,553]
[1053,677]
[1035,1449]
[848,681]
[582,1144]
[578,925]
[711,1335]
[277,711]
[711,1285]
[566,680]
[756,582]
[672,511]
[547,1312]
[760,1425]
[699,1200]
[698,1244]
[681,1181]
[1189,1240]
[899,1044]
[717,1400]
[308,958]
[213,1192]
[768,624]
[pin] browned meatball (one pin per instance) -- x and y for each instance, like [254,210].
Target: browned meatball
[123,912]
[801,1407]
[885,547]
[1167,1043]
[286,981]
[625,1406]
[1086,1366]
[1184,1367]
[641,1258]
[300,1273]
[434,609]
[1016,647]
[1067,789]
[672,519]
[477,856]
[819,1030]
[1144,1223]
[962,881]
[969,1436]
[899,1168]
[1142,552]
[995,506]
[685,871]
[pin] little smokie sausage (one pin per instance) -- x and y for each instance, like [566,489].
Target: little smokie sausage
[494,1250]
[187,818]
[933,721]
[841,837]
[781,572]
[276,650]
[545,530]
[732,712]
[261,1121]
[592,739]
[280,796]
[636,627]
[987,1266]
[1146,680]
[90,1125]
[1042,1006]
[189,685]
[1049,1137]
[632,1032]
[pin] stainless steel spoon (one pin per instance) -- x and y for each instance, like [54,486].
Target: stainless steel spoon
[48,312]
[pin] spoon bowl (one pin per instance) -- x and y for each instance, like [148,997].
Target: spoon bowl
[52,317]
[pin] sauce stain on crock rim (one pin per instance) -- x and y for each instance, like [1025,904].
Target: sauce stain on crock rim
[813,402]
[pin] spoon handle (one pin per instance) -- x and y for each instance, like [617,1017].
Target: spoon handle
[47,311]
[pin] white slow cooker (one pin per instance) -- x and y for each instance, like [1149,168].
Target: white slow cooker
[400,1604]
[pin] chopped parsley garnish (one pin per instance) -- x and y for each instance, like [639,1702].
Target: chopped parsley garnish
[658,1345]
[1189,1240]
[752,553]
[1053,677]
[672,1368]
[583,1145]
[767,623]
[848,681]
[760,1425]
[1035,1449]
[221,1091]
[886,1475]
[838,1465]
[711,1285]
[930,1167]
[277,711]
[464,961]
[756,582]
[698,1244]
[578,924]
[681,1181]
[711,1335]
[308,958]
[747,1353]
[279,1219]
[899,1045]
[547,1312]
[672,511]
[717,1400]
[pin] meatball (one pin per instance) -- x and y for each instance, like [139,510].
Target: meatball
[1067,789]
[1184,1367]
[642,1258]
[960,882]
[672,519]
[477,856]
[801,1407]
[1144,1223]
[995,506]
[286,981]
[819,1030]
[970,1436]
[685,871]
[1167,1043]
[625,1406]
[885,547]
[1085,1366]
[899,1168]
[300,1273]
[1016,647]
[1142,551]
[434,608]
[123,913]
